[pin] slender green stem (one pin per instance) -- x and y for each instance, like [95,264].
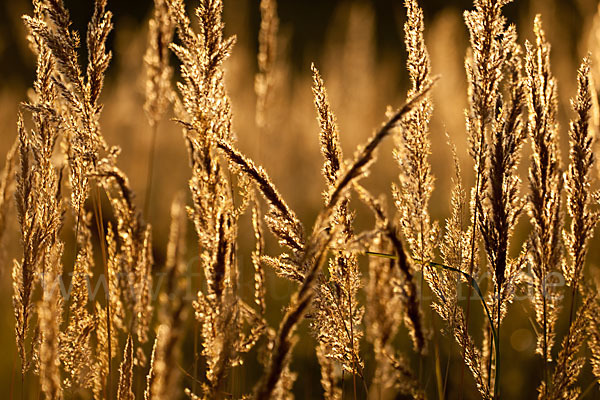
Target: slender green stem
[383,255]
[497,376]
[473,283]
[475,286]
[473,244]
[468,277]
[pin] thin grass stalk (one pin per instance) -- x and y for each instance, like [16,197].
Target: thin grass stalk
[100,229]
[158,82]
[283,345]
[472,281]
[365,153]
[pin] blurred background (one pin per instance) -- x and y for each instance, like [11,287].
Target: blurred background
[358,47]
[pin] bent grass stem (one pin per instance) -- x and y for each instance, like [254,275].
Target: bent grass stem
[473,283]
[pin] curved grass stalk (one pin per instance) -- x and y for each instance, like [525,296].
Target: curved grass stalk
[474,285]
[588,389]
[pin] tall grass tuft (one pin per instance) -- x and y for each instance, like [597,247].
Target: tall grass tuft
[103,309]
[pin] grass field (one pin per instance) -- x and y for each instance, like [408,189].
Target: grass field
[190,209]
